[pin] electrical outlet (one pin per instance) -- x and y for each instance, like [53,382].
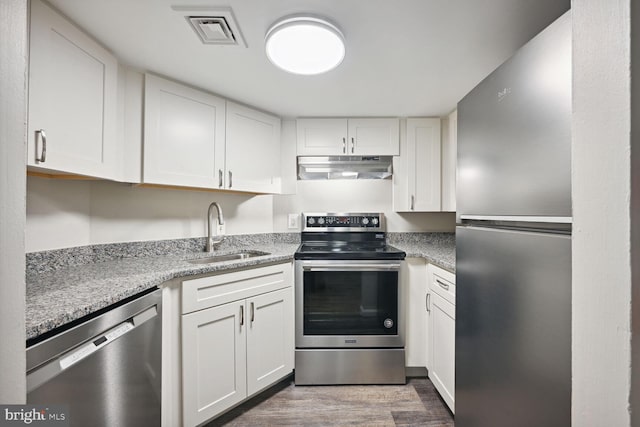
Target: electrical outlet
[293,221]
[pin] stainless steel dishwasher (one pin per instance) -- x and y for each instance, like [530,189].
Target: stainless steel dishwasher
[107,370]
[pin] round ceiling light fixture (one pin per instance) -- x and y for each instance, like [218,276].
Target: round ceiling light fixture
[304,45]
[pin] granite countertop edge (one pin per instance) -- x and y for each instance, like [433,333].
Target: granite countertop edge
[62,296]
[55,298]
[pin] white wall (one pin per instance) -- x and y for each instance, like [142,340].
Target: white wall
[13,45]
[63,213]
[355,196]
[601,246]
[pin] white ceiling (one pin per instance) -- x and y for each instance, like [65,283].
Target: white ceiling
[404,57]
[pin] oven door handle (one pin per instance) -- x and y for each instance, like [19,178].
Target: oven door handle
[352,267]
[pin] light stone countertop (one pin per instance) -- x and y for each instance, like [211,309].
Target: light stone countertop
[58,297]
[67,292]
[436,248]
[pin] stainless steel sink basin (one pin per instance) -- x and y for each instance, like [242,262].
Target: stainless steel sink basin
[226,257]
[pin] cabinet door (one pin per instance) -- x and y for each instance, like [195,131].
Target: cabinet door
[183,135]
[417,187]
[72,98]
[252,150]
[449,153]
[270,338]
[373,137]
[414,290]
[213,361]
[322,137]
[442,334]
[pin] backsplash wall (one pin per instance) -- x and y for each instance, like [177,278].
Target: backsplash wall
[63,213]
[356,196]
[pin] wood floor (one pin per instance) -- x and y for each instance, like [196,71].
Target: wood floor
[414,404]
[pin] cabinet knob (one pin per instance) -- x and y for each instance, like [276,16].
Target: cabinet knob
[43,153]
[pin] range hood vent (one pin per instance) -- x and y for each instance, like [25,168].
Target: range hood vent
[345,167]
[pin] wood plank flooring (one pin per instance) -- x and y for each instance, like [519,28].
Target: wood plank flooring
[414,404]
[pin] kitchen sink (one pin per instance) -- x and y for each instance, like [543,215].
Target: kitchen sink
[227,257]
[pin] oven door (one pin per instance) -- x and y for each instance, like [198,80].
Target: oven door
[348,304]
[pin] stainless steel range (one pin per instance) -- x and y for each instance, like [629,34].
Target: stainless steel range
[349,326]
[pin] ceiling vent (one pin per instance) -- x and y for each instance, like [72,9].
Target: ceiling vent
[213,25]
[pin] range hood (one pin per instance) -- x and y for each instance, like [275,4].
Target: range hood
[345,167]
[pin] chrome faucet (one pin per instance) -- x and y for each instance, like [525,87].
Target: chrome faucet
[210,233]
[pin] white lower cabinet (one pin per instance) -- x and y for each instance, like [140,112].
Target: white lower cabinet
[414,288]
[213,360]
[235,349]
[442,332]
[269,339]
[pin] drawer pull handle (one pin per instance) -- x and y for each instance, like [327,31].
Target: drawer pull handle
[241,315]
[442,285]
[427,302]
[353,145]
[220,178]
[253,312]
[344,145]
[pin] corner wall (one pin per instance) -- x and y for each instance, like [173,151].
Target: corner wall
[13,66]
[602,214]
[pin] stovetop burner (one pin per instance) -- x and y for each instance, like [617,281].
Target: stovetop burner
[357,237]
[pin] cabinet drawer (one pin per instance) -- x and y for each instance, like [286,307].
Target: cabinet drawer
[198,294]
[443,283]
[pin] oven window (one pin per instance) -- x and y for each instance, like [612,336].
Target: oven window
[350,303]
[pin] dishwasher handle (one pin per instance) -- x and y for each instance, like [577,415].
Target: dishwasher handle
[46,372]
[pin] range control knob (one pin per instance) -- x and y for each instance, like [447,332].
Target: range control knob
[321,220]
[365,221]
[311,221]
[374,220]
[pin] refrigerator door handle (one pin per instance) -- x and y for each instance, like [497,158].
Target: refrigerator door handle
[519,218]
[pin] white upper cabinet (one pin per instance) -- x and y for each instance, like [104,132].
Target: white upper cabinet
[374,137]
[449,161]
[72,99]
[195,139]
[416,186]
[358,137]
[252,150]
[184,132]
[321,137]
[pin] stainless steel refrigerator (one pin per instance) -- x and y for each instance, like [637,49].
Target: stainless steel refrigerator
[513,240]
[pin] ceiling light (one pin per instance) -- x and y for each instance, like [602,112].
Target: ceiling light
[304,45]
